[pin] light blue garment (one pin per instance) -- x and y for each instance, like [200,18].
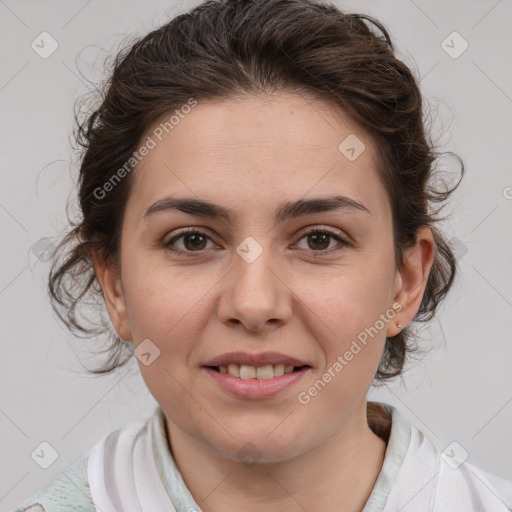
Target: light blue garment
[70,491]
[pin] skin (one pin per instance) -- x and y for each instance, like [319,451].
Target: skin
[319,456]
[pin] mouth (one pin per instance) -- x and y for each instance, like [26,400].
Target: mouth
[255,376]
[256,382]
[246,372]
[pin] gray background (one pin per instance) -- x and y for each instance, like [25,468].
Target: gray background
[460,391]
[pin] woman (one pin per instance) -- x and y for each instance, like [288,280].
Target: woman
[257,201]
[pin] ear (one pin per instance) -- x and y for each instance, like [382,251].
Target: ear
[110,281]
[411,280]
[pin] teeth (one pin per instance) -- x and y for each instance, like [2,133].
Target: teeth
[256,372]
[234,370]
[279,370]
[247,372]
[263,372]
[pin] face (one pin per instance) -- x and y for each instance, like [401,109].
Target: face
[268,284]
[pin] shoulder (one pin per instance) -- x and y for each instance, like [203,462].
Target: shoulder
[454,482]
[69,491]
[502,485]
[485,487]
[419,477]
[114,455]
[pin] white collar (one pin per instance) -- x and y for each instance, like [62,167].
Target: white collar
[132,469]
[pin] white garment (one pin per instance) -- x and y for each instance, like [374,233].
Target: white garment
[425,481]
[124,474]
[132,470]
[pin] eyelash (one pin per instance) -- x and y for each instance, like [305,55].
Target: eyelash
[195,231]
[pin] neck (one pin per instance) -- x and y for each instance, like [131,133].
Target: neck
[338,474]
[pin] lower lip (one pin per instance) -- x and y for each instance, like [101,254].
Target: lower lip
[256,388]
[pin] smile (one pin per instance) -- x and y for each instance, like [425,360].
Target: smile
[245,372]
[255,382]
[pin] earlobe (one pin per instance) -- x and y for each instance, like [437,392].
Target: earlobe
[411,280]
[110,281]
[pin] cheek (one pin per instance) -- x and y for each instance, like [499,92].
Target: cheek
[348,301]
[163,300]
[346,322]
[346,319]
[167,306]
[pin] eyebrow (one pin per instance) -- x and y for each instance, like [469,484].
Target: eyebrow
[290,210]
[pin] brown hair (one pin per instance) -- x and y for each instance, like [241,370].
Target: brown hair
[225,48]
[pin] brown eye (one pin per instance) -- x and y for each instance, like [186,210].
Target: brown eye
[194,241]
[320,240]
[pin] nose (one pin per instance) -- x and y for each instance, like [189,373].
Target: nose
[255,295]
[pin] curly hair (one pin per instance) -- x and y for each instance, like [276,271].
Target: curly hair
[225,48]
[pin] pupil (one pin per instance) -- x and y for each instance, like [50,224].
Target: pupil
[195,237]
[324,238]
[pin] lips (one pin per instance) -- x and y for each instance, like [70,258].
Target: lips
[255,376]
[255,382]
[248,359]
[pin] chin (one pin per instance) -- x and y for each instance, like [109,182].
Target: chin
[258,446]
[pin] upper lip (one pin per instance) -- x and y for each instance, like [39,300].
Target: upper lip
[245,358]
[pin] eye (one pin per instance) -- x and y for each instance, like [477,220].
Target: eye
[194,241]
[318,240]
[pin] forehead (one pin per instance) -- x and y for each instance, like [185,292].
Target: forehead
[255,149]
